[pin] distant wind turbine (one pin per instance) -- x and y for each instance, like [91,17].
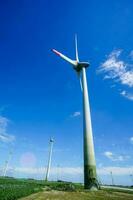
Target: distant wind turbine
[7,163]
[49,159]
[90,176]
[112,179]
[131,176]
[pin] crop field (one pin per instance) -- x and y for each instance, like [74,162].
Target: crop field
[26,189]
[12,189]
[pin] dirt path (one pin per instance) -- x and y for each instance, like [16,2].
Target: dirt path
[59,195]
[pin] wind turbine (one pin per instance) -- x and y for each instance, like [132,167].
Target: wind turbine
[7,163]
[51,141]
[90,176]
[112,179]
[131,176]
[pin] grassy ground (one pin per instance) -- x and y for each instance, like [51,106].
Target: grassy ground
[79,195]
[13,189]
[29,189]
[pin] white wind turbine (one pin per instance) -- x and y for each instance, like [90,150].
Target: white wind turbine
[90,176]
[7,163]
[51,142]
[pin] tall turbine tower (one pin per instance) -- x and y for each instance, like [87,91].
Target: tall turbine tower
[49,159]
[90,177]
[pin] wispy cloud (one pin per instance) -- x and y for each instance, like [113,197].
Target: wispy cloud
[127,95]
[4,136]
[76,114]
[114,157]
[118,71]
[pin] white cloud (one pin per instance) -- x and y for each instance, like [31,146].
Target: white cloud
[53,170]
[108,154]
[114,157]
[112,66]
[4,136]
[76,114]
[127,95]
[118,70]
[115,170]
[71,171]
[127,78]
[131,140]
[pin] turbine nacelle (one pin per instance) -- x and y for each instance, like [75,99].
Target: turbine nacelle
[77,65]
[51,140]
[80,65]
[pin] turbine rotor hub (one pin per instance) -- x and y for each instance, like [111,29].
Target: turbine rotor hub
[80,65]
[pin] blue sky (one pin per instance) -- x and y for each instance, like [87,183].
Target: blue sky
[40,94]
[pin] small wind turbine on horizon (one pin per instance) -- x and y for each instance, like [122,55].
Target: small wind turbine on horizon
[90,176]
[112,178]
[51,142]
[7,163]
[131,176]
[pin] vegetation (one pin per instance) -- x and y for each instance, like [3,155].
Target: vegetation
[63,186]
[13,189]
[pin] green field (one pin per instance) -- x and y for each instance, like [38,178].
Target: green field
[24,189]
[12,189]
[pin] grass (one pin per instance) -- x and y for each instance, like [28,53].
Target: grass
[12,189]
[25,189]
[80,195]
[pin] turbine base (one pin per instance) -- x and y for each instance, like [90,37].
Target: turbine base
[90,178]
[93,185]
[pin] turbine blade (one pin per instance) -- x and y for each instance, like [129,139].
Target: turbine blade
[64,57]
[76,48]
